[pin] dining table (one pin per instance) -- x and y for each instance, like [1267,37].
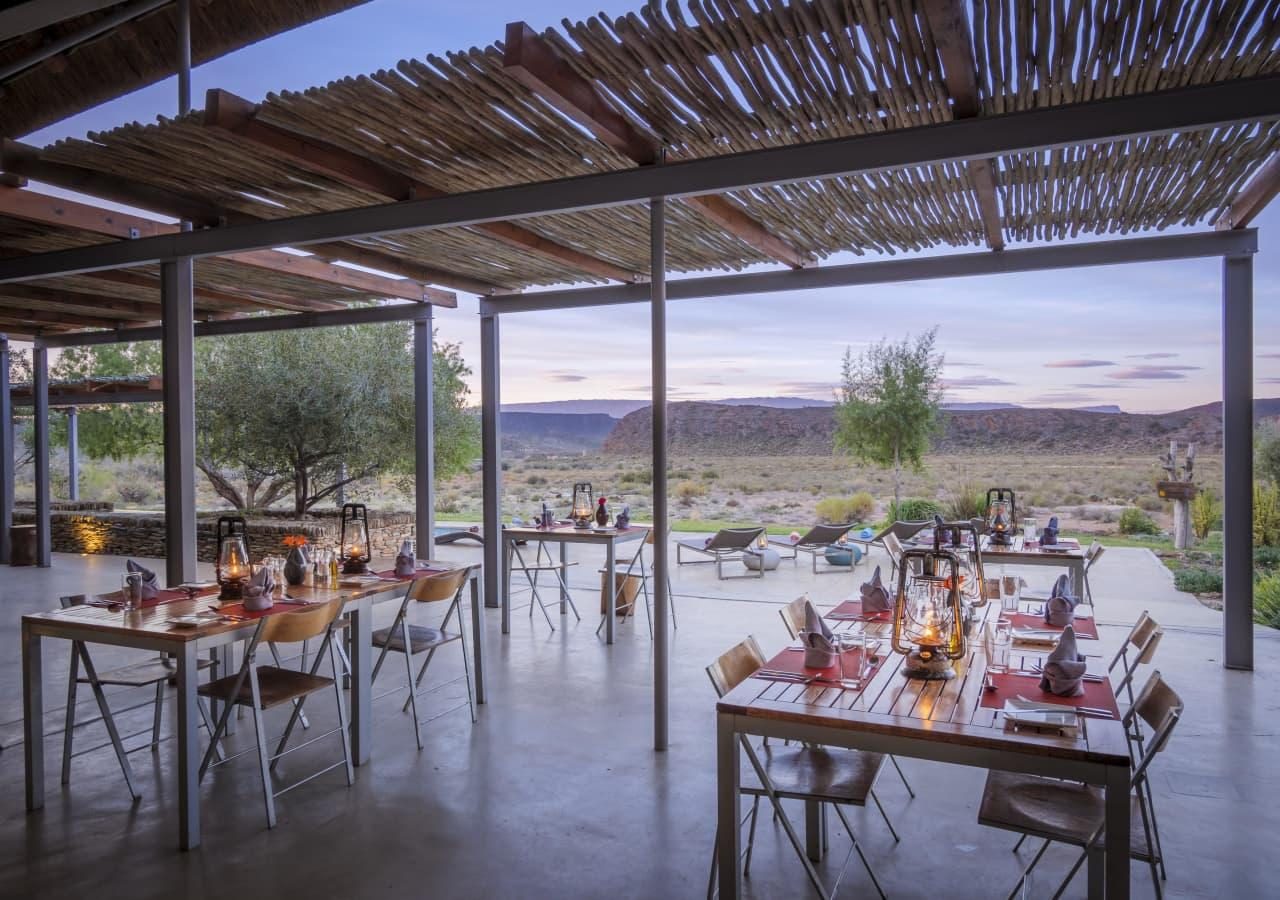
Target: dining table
[152,628]
[608,537]
[1065,554]
[957,721]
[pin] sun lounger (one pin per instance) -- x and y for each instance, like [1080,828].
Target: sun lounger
[448,535]
[815,543]
[727,544]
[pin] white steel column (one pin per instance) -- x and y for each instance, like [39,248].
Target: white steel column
[73,453]
[1237,461]
[424,436]
[6,451]
[40,398]
[658,336]
[491,468]
[178,371]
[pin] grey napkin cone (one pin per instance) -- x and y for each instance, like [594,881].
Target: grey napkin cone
[875,596]
[257,593]
[1064,668]
[150,587]
[1060,608]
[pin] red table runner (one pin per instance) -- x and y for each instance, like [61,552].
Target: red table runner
[791,660]
[1097,694]
[168,595]
[390,574]
[1084,627]
[852,609]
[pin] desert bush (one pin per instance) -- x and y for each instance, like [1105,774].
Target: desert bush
[449,503]
[710,474]
[1135,521]
[836,510]
[687,491]
[1266,515]
[1194,580]
[966,502]
[535,479]
[1073,499]
[1266,559]
[1151,504]
[135,491]
[1205,513]
[639,476]
[732,502]
[1266,601]
[913,509]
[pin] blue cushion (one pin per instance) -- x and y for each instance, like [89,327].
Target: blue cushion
[842,554]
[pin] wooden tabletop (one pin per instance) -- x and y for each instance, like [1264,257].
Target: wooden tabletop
[151,622]
[892,704]
[1019,548]
[569,533]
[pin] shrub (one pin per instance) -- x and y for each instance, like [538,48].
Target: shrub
[913,509]
[135,491]
[710,474]
[966,502]
[1266,452]
[1266,515]
[1135,521]
[640,476]
[535,479]
[1199,581]
[1205,513]
[1266,559]
[837,510]
[1151,504]
[732,503]
[1266,601]
[686,491]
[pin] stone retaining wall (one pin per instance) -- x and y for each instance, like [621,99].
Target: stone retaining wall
[142,534]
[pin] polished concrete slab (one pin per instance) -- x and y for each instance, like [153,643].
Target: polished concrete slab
[556,792]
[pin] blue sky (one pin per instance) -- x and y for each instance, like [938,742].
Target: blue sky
[1144,337]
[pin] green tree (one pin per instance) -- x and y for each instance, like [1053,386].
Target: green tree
[120,430]
[310,411]
[888,401]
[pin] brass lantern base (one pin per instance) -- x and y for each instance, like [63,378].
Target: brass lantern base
[937,667]
[232,589]
[583,524]
[355,566]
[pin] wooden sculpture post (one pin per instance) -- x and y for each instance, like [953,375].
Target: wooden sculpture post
[1180,489]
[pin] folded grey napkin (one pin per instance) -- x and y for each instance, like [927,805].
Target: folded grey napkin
[257,593]
[406,565]
[1060,608]
[1049,534]
[1064,668]
[813,623]
[875,596]
[150,587]
[818,640]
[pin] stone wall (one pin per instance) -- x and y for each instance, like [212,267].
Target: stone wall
[142,534]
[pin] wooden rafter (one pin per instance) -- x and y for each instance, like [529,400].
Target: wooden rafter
[225,111]
[55,211]
[540,68]
[1261,189]
[24,160]
[951,35]
[206,298]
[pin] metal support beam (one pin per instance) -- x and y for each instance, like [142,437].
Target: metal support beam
[178,372]
[658,339]
[893,271]
[1100,121]
[73,453]
[20,17]
[184,57]
[495,593]
[6,451]
[424,436]
[1237,462]
[40,385]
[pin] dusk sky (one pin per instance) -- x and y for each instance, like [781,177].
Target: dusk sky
[1144,337]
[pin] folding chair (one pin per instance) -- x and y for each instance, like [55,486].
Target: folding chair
[1091,557]
[152,672]
[798,772]
[726,544]
[408,639]
[265,687]
[542,562]
[636,568]
[815,542]
[1071,813]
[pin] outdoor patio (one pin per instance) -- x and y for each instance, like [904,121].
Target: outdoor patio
[557,782]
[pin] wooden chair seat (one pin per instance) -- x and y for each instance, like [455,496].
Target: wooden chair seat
[421,637]
[139,674]
[1063,811]
[816,773]
[277,686]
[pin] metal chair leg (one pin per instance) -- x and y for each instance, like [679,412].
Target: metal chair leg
[413,687]
[155,720]
[1018,845]
[264,762]
[343,730]
[466,665]
[1026,873]
[109,722]
[69,724]
[866,864]
[906,784]
[884,815]
[751,836]
[715,858]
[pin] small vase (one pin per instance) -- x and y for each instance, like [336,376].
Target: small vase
[296,565]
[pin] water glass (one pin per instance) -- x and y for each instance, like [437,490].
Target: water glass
[1010,592]
[851,653]
[1001,648]
[1030,529]
[131,591]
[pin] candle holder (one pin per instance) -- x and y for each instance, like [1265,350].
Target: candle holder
[355,539]
[233,569]
[928,615]
[1002,512]
[583,505]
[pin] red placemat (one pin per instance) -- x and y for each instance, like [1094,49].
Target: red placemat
[1084,627]
[390,574]
[168,595]
[1097,694]
[792,661]
[852,609]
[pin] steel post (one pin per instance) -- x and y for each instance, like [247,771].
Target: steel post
[491,469]
[178,373]
[658,337]
[73,453]
[6,451]
[40,379]
[1237,462]
[424,450]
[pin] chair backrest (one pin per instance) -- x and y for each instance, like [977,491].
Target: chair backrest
[893,545]
[735,666]
[901,530]
[825,534]
[735,538]
[1092,555]
[442,586]
[1161,708]
[1143,637]
[300,624]
[793,614]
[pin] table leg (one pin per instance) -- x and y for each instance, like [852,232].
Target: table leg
[33,717]
[814,825]
[188,748]
[612,590]
[1077,580]
[226,666]
[1117,831]
[507,547]
[564,578]
[727,835]
[477,636]
[361,671]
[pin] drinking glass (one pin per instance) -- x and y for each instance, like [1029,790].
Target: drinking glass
[851,653]
[1001,647]
[131,591]
[1010,592]
[1030,529]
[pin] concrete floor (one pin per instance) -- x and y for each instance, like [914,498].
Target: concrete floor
[556,792]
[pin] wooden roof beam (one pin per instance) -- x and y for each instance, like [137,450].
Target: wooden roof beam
[540,68]
[206,298]
[1253,198]
[57,212]
[227,112]
[44,317]
[951,35]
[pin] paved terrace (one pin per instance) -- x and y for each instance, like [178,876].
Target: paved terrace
[556,792]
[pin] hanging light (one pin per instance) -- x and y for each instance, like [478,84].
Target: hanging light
[928,614]
[1002,511]
[354,539]
[583,505]
[233,569]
